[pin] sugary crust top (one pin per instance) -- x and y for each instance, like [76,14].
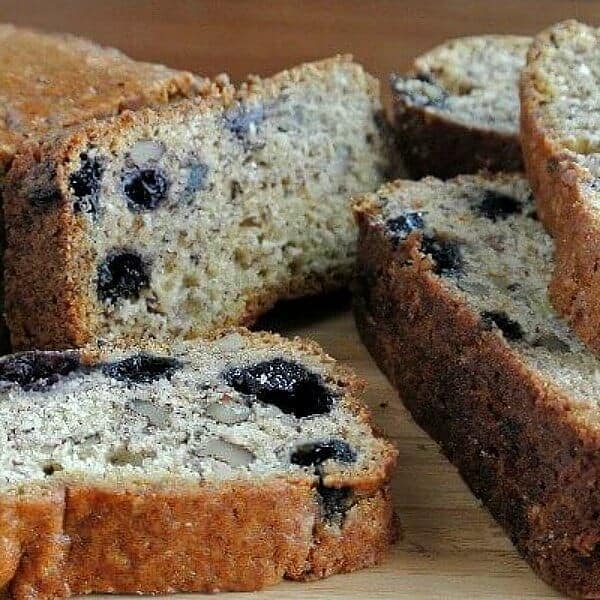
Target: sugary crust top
[49,81]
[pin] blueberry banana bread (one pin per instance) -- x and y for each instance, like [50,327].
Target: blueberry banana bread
[458,109]
[53,80]
[168,224]
[560,110]
[225,465]
[451,301]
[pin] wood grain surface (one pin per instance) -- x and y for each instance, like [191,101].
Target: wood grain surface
[451,548]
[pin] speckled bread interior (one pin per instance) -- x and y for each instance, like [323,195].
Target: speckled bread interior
[457,111]
[222,465]
[50,81]
[451,301]
[169,224]
[560,119]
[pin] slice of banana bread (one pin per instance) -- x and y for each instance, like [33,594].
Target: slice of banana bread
[560,100]
[168,224]
[458,109]
[49,81]
[226,465]
[56,80]
[451,301]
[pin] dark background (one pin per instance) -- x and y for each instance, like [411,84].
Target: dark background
[263,37]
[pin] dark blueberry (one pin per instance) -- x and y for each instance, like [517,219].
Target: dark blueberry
[446,254]
[85,184]
[145,189]
[241,119]
[334,502]
[285,384]
[426,77]
[511,329]
[315,453]
[142,368]
[401,226]
[122,275]
[496,205]
[37,370]
[44,196]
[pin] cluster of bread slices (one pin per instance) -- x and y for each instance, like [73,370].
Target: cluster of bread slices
[151,444]
[479,293]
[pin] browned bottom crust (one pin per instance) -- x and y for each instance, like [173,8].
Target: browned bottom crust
[513,437]
[434,145]
[575,288]
[240,537]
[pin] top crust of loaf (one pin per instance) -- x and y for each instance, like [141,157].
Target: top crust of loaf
[560,121]
[77,80]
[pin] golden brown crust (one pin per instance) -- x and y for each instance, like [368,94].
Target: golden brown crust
[233,537]
[433,144]
[559,183]
[77,80]
[524,448]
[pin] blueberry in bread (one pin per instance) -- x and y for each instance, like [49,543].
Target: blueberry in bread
[457,111]
[451,301]
[223,465]
[560,110]
[50,81]
[171,223]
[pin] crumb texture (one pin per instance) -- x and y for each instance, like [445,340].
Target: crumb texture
[211,443]
[201,216]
